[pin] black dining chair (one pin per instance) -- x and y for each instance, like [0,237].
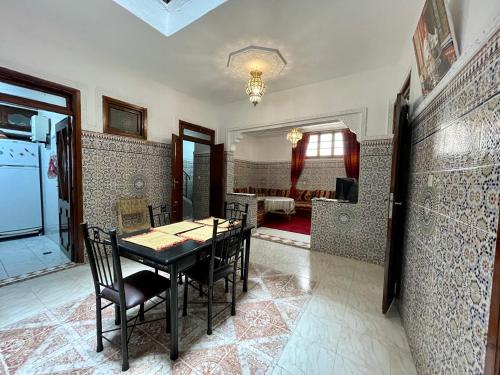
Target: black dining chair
[221,264]
[235,210]
[159,215]
[124,293]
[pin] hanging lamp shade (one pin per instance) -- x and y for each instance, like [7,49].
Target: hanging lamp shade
[256,87]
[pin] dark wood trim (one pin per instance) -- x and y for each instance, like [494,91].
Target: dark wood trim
[39,84]
[108,103]
[492,364]
[405,89]
[34,104]
[73,109]
[197,128]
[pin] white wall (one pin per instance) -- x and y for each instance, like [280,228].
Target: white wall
[32,47]
[371,89]
[264,149]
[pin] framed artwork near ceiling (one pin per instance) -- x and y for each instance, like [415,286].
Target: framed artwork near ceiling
[123,118]
[435,45]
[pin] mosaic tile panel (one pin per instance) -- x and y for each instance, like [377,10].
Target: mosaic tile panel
[317,174]
[201,185]
[453,214]
[115,167]
[359,230]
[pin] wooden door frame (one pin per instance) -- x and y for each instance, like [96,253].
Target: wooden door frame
[72,108]
[492,364]
[184,125]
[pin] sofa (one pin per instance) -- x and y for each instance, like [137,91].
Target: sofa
[303,200]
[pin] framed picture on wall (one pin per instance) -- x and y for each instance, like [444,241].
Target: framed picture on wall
[435,44]
[123,118]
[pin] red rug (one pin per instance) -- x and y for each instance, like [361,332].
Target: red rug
[297,224]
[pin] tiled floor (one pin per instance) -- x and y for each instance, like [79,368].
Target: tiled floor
[29,254]
[305,313]
[283,237]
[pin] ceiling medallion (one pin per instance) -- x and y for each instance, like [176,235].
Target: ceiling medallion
[294,136]
[257,61]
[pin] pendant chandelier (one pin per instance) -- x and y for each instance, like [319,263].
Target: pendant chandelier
[294,136]
[256,87]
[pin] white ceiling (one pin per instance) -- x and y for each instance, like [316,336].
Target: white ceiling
[320,39]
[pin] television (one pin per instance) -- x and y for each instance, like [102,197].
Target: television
[346,189]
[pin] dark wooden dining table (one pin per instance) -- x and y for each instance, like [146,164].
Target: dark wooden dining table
[175,260]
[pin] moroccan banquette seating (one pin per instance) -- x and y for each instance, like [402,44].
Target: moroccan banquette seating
[303,203]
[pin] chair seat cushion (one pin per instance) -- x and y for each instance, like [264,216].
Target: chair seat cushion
[199,272]
[139,287]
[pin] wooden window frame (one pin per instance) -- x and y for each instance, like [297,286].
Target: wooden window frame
[108,103]
[183,125]
[332,156]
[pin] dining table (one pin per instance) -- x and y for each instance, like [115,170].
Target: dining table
[175,260]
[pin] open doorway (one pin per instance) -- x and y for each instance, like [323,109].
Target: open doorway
[196,180]
[197,173]
[38,168]
[287,178]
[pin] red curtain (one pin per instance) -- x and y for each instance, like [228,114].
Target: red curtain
[298,158]
[351,155]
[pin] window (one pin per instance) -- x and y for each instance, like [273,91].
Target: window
[327,144]
[123,118]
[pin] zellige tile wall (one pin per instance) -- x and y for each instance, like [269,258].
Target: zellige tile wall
[118,167]
[358,231]
[452,220]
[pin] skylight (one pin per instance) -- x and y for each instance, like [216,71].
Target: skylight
[169,16]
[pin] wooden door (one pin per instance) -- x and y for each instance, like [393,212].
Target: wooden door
[176,194]
[64,178]
[217,180]
[397,202]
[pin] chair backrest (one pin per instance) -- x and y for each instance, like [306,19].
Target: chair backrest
[159,215]
[235,210]
[226,245]
[105,272]
[133,214]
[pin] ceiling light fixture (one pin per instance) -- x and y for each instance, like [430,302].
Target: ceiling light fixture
[294,136]
[258,61]
[255,87]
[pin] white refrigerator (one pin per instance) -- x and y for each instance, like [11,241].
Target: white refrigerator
[20,194]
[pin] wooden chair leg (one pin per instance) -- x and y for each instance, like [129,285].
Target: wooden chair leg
[123,326]
[98,324]
[117,315]
[167,307]
[210,300]
[185,300]
[141,312]
[226,285]
[233,293]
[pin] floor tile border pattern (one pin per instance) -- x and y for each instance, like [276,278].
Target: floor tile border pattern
[451,233]
[281,240]
[32,275]
[62,339]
